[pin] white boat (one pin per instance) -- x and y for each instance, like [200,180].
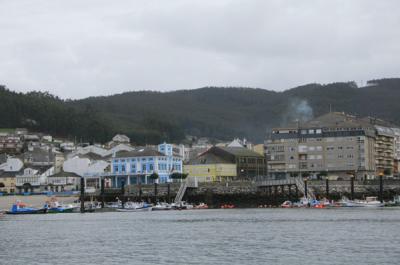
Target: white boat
[182,206]
[143,209]
[135,207]
[368,202]
[162,207]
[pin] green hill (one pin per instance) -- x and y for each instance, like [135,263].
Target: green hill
[221,113]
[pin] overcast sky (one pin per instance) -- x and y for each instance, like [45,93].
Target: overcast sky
[77,48]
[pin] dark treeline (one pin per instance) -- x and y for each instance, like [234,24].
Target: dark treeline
[43,112]
[219,113]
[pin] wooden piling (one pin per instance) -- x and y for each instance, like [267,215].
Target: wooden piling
[123,193]
[102,192]
[305,189]
[352,187]
[327,188]
[82,197]
[169,192]
[381,188]
[155,191]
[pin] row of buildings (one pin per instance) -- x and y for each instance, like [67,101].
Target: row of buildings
[58,167]
[335,145]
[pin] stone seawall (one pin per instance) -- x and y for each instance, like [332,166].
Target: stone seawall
[245,193]
[248,193]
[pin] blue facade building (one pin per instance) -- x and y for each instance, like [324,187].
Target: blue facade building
[135,167]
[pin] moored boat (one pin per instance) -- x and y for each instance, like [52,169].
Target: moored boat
[201,206]
[368,202]
[55,207]
[142,209]
[162,207]
[287,204]
[21,208]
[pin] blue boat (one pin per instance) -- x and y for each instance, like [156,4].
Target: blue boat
[20,208]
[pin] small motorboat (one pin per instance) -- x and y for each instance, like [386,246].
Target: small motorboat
[142,209]
[181,206]
[227,206]
[368,202]
[135,207]
[21,208]
[62,209]
[162,207]
[201,206]
[287,204]
[55,207]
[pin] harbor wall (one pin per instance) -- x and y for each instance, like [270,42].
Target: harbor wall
[242,194]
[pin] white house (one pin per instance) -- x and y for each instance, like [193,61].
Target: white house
[12,165]
[121,138]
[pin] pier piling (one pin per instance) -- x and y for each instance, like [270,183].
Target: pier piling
[155,191]
[327,188]
[169,193]
[381,188]
[82,197]
[102,192]
[305,189]
[352,187]
[123,193]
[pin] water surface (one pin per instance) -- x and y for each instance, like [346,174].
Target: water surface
[237,236]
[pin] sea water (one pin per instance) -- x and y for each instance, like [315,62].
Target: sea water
[231,236]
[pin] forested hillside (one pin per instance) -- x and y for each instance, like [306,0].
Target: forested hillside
[220,113]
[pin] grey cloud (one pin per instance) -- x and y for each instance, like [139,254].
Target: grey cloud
[82,48]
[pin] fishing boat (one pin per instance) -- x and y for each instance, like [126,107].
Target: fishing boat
[21,208]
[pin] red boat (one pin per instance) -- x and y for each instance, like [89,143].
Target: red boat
[227,206]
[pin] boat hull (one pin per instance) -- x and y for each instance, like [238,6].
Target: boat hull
[36,211]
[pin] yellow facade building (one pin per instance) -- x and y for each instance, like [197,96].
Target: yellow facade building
[7,182]
[211,172]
